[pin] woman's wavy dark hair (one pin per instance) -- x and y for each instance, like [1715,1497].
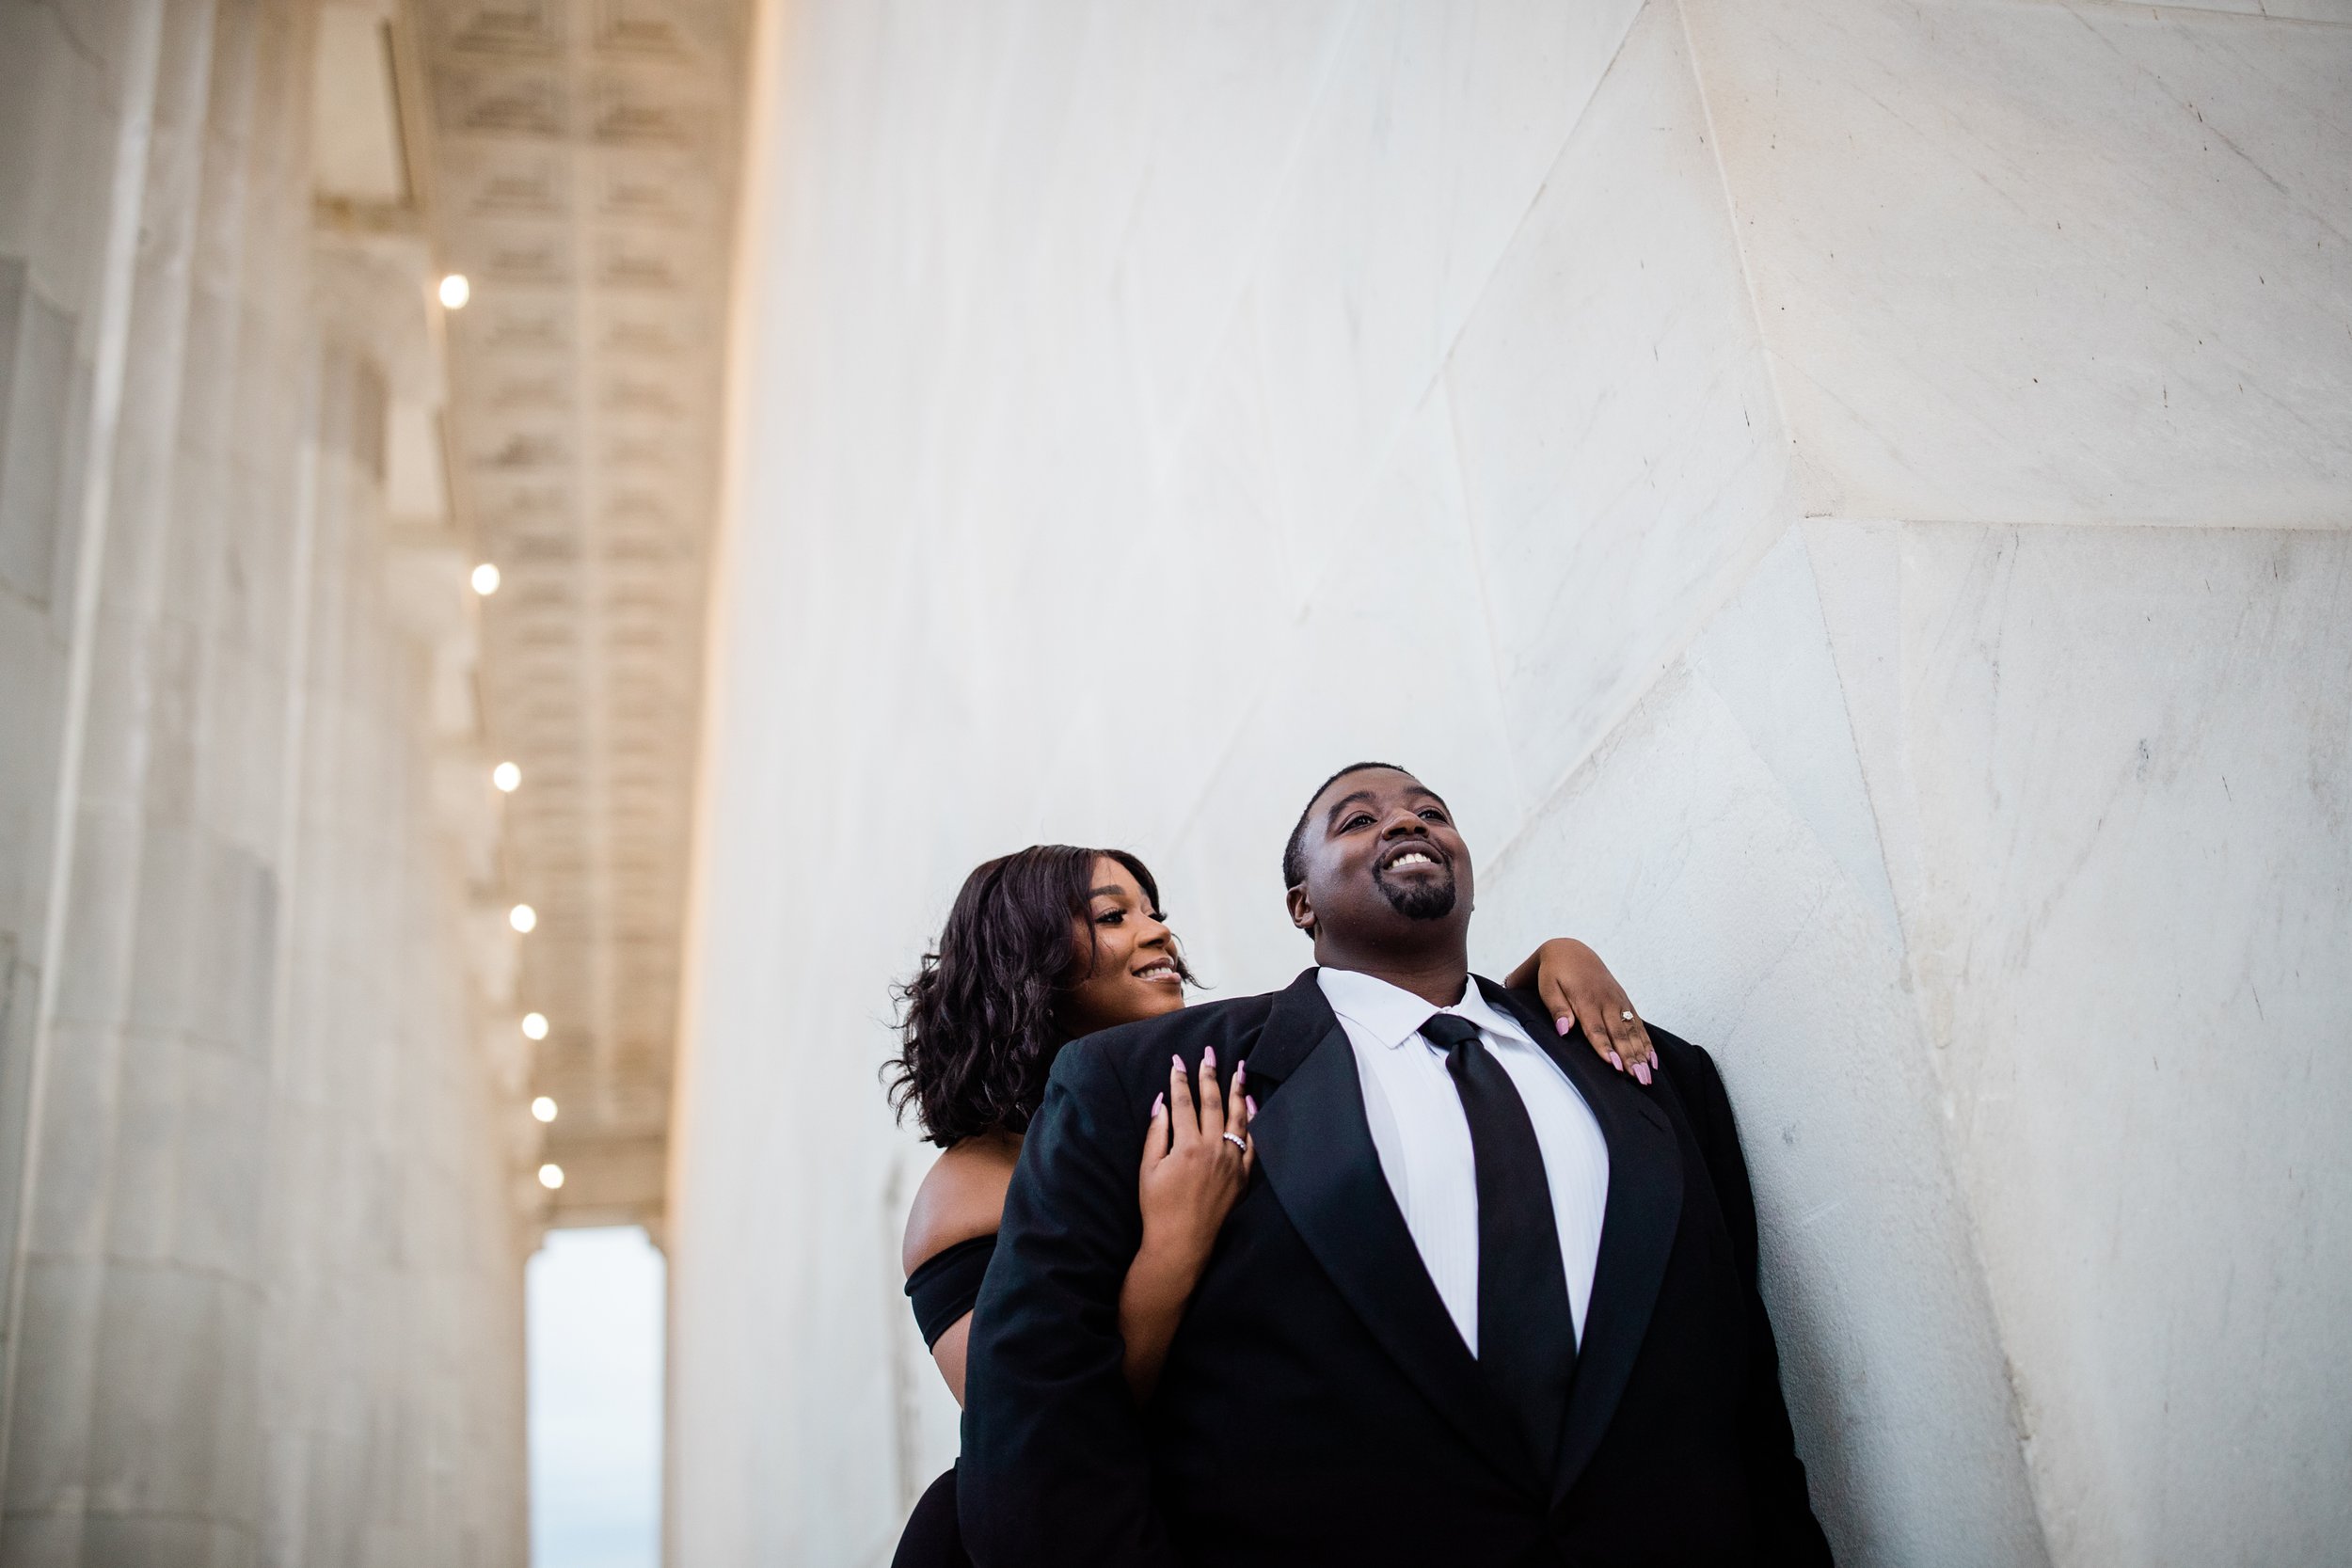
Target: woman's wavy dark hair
[978,1028]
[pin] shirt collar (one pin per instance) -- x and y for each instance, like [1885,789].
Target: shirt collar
[1393,1015]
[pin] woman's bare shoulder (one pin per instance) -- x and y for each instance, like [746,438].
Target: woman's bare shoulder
[961,1196]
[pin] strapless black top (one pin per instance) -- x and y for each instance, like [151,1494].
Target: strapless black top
[946,1284]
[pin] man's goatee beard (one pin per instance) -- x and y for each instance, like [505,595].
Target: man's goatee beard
[1418,900]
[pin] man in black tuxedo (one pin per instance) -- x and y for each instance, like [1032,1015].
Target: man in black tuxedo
[1487,1302]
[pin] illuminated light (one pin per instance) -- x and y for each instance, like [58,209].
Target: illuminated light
[455,291]
[543,1108]
[550,1176]
[535,1026]
[522,917]
[485,579]
[507,776]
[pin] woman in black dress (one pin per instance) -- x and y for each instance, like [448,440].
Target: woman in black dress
[1040,947]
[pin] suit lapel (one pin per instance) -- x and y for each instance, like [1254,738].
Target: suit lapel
[1637,1232]
[1315,1148]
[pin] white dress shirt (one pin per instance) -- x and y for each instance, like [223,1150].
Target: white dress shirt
[1422,1136]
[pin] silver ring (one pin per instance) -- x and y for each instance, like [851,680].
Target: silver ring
[1237,1141]
[1625,1014]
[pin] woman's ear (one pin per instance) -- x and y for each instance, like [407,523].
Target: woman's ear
[1302,909]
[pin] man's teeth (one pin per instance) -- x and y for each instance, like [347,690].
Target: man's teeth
[1411,857]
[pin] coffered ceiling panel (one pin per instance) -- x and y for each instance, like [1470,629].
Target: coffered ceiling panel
[585,156]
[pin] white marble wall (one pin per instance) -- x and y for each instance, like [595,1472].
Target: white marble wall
[1852,503]
[262,1261]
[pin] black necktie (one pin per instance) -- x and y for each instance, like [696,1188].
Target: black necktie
[1526,1335]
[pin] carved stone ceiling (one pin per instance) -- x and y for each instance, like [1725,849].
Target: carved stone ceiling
[584,158]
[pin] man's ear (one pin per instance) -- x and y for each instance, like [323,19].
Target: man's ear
[1302,909]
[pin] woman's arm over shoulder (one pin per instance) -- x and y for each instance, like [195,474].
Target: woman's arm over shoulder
[1576,987]
[1197,1160]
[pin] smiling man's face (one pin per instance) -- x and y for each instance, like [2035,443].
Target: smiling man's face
[1386,869]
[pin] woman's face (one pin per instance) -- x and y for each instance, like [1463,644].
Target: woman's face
[1134,973]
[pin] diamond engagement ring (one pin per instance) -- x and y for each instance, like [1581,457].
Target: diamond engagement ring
[1238,1142]
[1626,1014]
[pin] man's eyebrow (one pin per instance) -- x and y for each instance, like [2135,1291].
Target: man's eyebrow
[1365,796]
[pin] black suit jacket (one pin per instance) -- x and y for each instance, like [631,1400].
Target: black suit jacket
[1318,1404]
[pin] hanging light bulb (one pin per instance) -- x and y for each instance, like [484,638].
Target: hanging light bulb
[522,917]
[535,1026]
[455,291]
[507,776]
[485,579]
[543,1108]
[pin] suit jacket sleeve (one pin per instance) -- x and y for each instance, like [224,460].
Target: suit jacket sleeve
[1775,1475]
[1055,1466]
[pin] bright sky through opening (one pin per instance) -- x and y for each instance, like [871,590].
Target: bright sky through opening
[596,1325]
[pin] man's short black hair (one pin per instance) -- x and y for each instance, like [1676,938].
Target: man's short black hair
[1294,852]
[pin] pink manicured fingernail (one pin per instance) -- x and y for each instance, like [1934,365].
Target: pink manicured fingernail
[1253,1105]
[1641,1070]
[1616,1061]
[1208,1056]
[1176,1062]
[1159,1103]
[1241,1070]
[1563,1024]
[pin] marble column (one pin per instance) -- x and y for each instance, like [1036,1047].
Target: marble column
[264,1291]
